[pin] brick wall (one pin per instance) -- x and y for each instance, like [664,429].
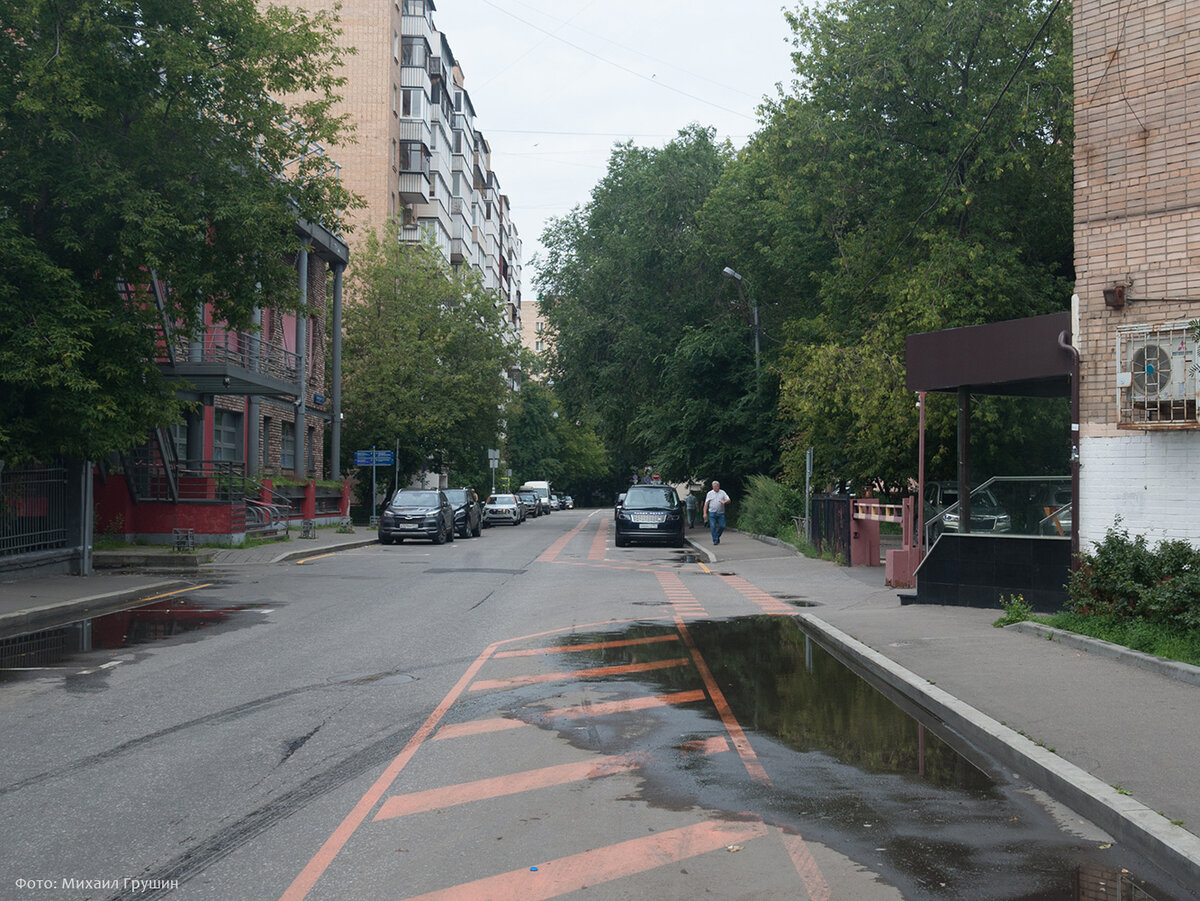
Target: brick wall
[1137,194]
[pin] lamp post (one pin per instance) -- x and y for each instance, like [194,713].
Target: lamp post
[729,273]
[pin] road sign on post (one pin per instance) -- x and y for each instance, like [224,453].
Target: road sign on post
[374,458]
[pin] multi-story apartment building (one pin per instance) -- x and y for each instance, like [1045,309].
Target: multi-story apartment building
[420,160]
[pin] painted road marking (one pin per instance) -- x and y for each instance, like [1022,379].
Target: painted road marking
[680,596]
[740,743]
[600,543]
[501,786]
[593,646]
[579,871]
[649,702]
[750,591]
[592,673]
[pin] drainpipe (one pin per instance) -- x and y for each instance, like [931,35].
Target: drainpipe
[1068,346]
[302,365]
[335,443]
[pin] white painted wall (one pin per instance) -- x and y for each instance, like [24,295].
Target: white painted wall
[1150,479]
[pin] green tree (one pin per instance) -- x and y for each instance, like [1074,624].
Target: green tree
[424,360]
[546,442]
[139,137]
[625,278]
[933,145]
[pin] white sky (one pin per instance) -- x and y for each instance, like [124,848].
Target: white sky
[555,83]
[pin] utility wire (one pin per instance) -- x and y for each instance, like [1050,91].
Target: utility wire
[617,65]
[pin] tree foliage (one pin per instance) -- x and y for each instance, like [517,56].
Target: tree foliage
[142,137]
[932,145]
[424,360]
[624,282]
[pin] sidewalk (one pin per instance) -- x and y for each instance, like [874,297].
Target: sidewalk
[1115,741]
[130,576]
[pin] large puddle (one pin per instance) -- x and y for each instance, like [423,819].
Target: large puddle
[849,769]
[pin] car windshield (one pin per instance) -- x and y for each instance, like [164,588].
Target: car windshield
[405,498]
[456,495]
[650,497]
[501,499]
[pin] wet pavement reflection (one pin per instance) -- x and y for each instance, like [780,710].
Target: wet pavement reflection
[851,770]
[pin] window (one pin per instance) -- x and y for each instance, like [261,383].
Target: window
[412,103]
[538,326]
[537,345]
[227,435]
[287,445]
[396,46]
[414,157]
[414,52]
[395,101]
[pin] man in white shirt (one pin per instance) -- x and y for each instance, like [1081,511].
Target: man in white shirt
[714,511]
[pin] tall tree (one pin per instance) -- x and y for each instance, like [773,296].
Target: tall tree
[623,278]
[424,359]
[147,136]
[935,148]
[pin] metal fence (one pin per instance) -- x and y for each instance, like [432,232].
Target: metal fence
[831,525]
[33,509]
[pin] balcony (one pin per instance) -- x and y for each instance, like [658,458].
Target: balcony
[227,362]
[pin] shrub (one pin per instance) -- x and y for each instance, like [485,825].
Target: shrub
[1124,577]
[769,507]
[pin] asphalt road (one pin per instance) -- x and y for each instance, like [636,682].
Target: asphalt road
[524,715]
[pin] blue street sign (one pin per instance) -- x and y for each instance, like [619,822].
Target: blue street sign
[374,458]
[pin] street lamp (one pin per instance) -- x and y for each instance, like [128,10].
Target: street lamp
[729,273]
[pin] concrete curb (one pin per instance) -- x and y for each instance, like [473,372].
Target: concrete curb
[53,616]
[301,553]
[1171,669]
[1129,821]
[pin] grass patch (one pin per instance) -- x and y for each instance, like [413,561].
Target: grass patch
[1142,635]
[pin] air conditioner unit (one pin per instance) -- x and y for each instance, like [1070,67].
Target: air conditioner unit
[1156,374]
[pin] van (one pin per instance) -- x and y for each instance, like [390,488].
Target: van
[542,490]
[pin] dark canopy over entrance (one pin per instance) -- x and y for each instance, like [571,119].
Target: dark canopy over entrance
[1030,357]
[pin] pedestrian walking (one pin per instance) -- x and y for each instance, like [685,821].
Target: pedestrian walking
[691,503]
[714,511]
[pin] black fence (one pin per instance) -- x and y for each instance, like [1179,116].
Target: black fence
[830,527]
[34,509]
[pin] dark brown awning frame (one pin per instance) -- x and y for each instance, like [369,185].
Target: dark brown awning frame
[1030,357]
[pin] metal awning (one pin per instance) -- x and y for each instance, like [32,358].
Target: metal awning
[1016,358]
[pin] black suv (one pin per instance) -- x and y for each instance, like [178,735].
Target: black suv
[468,511]
[417,513]
[649,513]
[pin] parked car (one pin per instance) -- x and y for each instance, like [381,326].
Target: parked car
[417,513]
[529,500]
[1054,510]
[650,513]
[987,513]
[468,511]
[503,509]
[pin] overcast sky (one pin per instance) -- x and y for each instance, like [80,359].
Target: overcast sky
[555,83]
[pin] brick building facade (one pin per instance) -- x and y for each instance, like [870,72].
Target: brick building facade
[1137,233]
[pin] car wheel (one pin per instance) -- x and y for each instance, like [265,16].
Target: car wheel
[679,542]
[385,539]
[399,541]
[439,537]
[478,528]
[450,533]
[622,541]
